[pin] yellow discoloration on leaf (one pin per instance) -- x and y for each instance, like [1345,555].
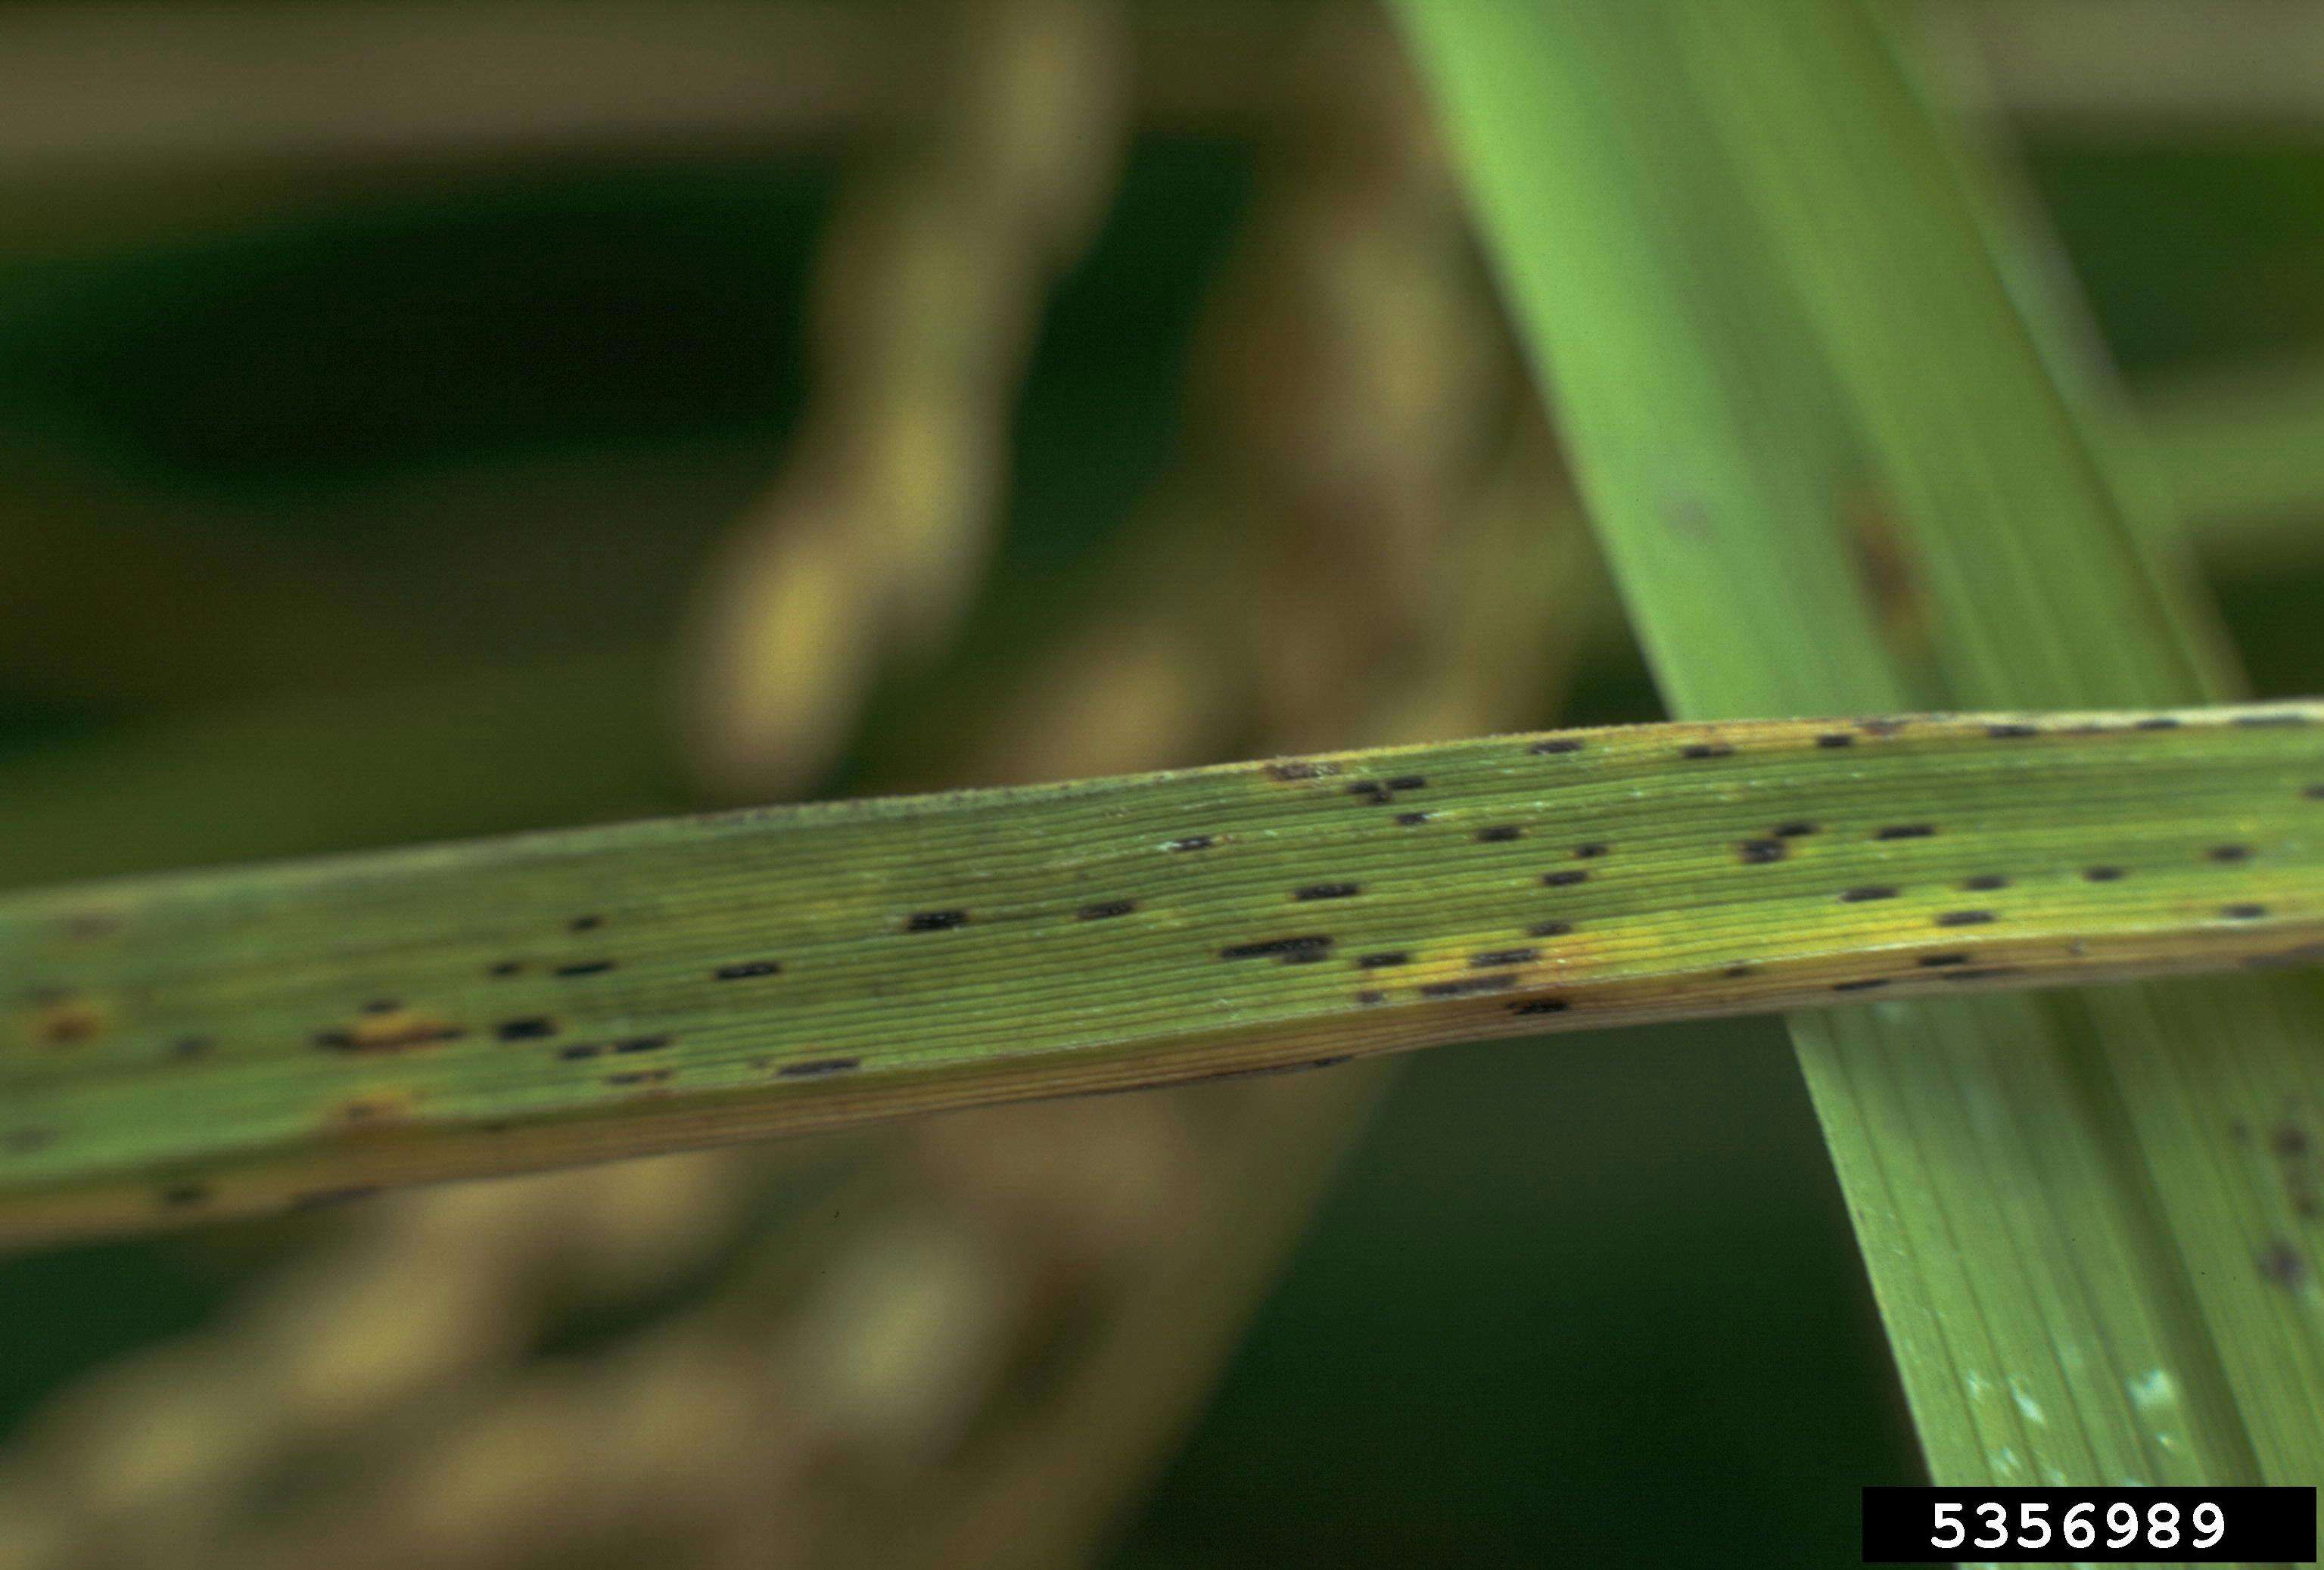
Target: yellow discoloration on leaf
[391,1030]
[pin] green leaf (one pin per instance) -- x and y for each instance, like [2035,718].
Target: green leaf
[210,1041]
[1831,465]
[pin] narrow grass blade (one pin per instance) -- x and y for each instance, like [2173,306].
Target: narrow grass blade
[220,1040]
[1832,467]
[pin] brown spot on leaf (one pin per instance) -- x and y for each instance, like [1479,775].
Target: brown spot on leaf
[67,1020]
[1886,566]
[2283,1264]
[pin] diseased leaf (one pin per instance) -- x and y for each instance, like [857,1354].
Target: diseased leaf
[212,1041]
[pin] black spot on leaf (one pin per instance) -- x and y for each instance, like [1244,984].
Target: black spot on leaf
[816,1068]
[1276,948]
[1494,957]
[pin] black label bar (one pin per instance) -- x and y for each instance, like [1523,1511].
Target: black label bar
[2048,1526]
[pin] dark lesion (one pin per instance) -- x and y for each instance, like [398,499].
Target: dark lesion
[63,1019]
[1493,958]
[819,1068]
[1286,949]
[1469,985]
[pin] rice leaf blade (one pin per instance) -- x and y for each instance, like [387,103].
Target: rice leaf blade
[210,1041]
